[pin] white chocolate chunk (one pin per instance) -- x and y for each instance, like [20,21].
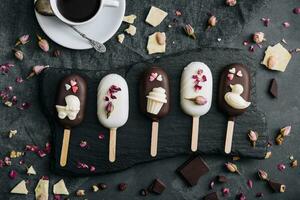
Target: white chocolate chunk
[278,53]
[42,189]
[60,188]
[155,16]
[31,171]
[20,188]
[121,38]
[153,46]
[129,19]
[131,30]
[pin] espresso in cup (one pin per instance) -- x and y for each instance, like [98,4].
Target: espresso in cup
[78,10]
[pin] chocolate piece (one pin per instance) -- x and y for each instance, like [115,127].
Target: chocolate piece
[276,187]
[157,186]
[155,77]
[221,179]
[273,88]
[192,170]
[232,75]
[211,196]
[67,87]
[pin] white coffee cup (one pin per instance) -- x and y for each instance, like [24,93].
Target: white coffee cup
[104,3]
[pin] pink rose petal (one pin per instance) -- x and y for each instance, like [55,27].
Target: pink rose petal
[12,174]
[250,183]
[225,192]
[286,24]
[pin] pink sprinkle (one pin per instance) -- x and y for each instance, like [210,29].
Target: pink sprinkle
[225,191]
[92,168]
[281,167]
[12,174]
[246,43]
[286,24]
[83,144]
[250,183]
[266,21]
[19,80]
[14,100]
[101,136]
[4,68]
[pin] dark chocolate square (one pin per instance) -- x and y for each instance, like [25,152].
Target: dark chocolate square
[157,186]
[192,170]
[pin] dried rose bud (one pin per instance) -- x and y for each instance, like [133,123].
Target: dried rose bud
[262,175]
[43,44]
[199,100]
[259,37]
[296,10]
[231,2]
[22,40]
[189,30]
[266,21]
[285,131]
[294,163]
[253,135]
[212,21]
[109,108]
[18,54]
[36,70]
[80,193]
[232,167]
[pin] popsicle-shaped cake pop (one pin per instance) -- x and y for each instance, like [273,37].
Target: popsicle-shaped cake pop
[70,107]
[234,96]
[196,95]
[155,100]
[112,107]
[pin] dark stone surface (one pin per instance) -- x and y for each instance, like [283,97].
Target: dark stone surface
[17,18]
[133,139]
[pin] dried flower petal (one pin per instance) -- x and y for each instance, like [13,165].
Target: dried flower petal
[266,21]
[232,167]
[178,13]
[81,165]
[24,106]
[281,167]
[250,183]
[43,44]
[83,144]
[19,80]
[241,196]
[189,30]
[32,148]
[92,168]
[22,40]
[212,21]
[258,37]
[4,68]
[296,10]
[12,174]
[286,131]
[101,136]
[231,2]
[286,24]
[41,153]
[225,191]
[253,136]
[263,175]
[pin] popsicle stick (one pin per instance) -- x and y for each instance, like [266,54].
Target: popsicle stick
[195,132]
[154,138]
[229,135]
[65,148]
[112,144]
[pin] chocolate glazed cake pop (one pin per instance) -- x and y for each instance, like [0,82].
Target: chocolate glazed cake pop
[70,107]
[234,96]
[155,100]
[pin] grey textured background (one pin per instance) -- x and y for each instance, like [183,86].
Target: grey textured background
[237,24]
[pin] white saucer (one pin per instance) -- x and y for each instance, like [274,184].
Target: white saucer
[101,29]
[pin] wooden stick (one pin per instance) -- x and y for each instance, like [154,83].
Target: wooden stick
[65,148]
[112,144]
[195,132]
[154,138]
[229,135]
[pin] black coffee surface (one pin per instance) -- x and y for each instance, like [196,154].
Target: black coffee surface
[78,10]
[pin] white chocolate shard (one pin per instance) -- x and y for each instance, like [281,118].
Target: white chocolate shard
[60,188]
[42,189]
[279,54]
[131,30]
[31,171]
[20,188]
[129,19]
[121,38]
[155,16]
[153,46]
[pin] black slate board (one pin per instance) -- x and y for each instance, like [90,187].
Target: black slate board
[133,140]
